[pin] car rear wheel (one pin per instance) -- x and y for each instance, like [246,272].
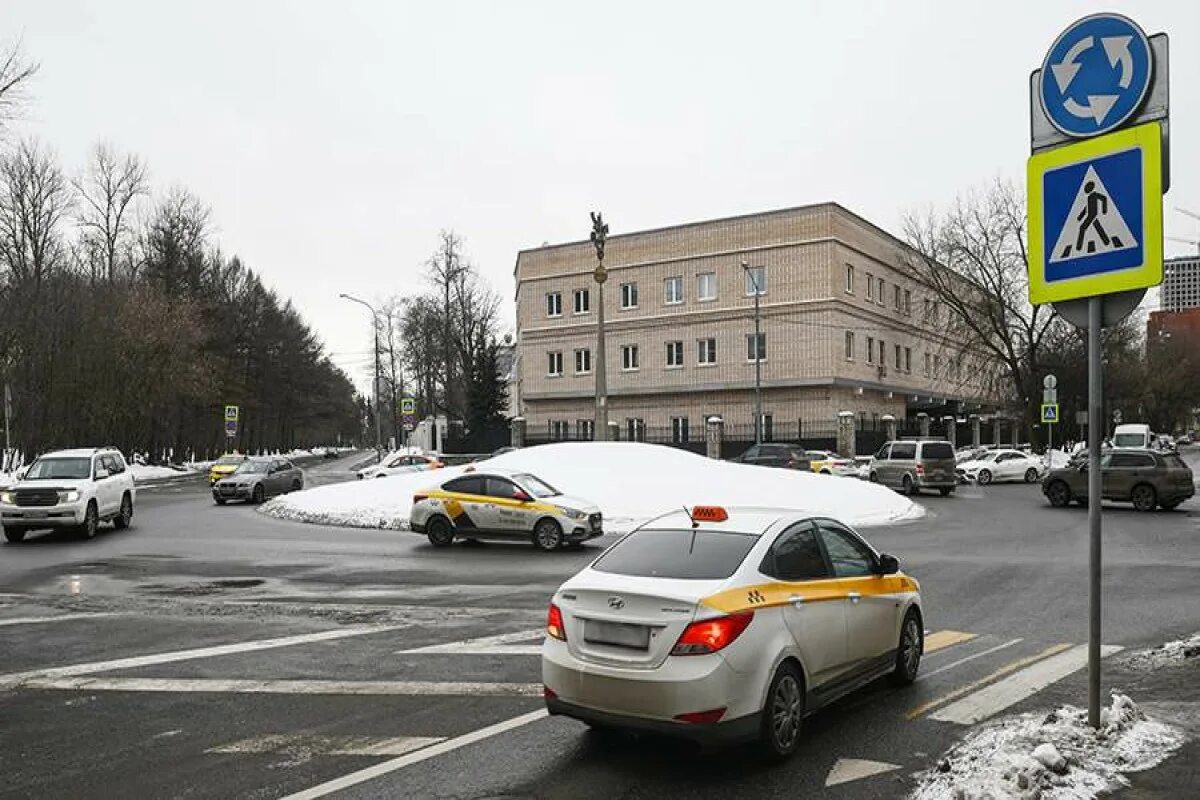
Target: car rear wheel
[1030,475]
[14,535]
[783,714]
[91,522]
[873,477]
[259,494]
[439,531]
[906,485]
[547,535]
[1144,497]
[1059,494]
[125,518]
[908,652]
[296,485]
[984,477]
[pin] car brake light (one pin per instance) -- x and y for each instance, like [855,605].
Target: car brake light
[920,468]
[702,717]
[711,635]
[417,498]
[549,693]
[554,624]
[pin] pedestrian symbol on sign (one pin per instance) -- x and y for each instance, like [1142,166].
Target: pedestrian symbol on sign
[1093,225]
[1050,412]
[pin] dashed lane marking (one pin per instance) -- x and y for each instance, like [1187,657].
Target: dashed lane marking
[294,687]
[1004,670]
[971,657]
[400,762]
[943,639]
[14,679]
[59,618]
[329,745]
[483,644]
[1010,691]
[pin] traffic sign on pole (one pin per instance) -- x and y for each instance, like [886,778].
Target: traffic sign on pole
[231,427]
[231,413]
[1050,412]
[408,405]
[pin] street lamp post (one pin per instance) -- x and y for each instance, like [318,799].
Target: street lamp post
[378,409]
[758,412]
[599,237]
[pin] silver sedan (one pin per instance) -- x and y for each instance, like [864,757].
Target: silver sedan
[256,479]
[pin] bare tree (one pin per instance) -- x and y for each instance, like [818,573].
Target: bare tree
[34,200]
[973,260]
[108,189]
[15,73]
[446,268]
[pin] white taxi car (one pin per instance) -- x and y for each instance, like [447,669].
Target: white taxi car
[726,625]
[1002,465]
[502,504]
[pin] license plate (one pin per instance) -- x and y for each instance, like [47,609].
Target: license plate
[36,514]
[617,634]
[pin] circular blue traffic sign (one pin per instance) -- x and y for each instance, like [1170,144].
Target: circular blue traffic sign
[1096,75]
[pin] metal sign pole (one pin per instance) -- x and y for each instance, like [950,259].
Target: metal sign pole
[1095,429]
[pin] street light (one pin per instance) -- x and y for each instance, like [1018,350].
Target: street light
[599,237]
[378,410]
[758,412]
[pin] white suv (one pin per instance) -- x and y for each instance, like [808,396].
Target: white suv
[75,489]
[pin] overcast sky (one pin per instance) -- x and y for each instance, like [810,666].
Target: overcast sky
[333,140]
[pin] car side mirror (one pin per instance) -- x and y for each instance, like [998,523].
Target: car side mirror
[522,496]
[888,565]
[101,474]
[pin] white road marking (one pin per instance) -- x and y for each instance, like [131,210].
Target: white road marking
[482,644]
[14,679]
[329,745]
[59,618]
[972,657]
[846,770]
[325,687]
[450,745]
[1000,695]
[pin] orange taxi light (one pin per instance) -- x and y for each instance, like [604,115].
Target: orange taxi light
[709,514]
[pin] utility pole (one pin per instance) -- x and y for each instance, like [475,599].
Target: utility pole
[758,412]
[7,433]
[599,237]
[378,409]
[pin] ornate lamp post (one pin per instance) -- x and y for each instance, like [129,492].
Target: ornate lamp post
[599,236]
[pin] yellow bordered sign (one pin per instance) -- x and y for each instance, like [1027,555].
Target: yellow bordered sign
[1050,412]
[1095,216]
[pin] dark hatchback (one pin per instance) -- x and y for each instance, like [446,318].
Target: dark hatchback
[1143,477]
[775,454]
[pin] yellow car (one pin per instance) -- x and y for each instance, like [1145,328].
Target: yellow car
[829,463]
[224,466]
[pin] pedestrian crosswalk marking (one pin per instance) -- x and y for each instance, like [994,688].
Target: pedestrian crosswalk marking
[313,745]
[1094,224]
[1004,670]
[943,639]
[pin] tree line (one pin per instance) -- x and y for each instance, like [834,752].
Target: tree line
[123,323]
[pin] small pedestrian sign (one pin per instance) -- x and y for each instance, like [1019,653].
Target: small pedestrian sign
[1050,413]
[408,405]
[1095,216]
[231,428]
[231,413]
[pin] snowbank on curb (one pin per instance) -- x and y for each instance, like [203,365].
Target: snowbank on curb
[1167,655]
[1055,756]
[146,472]
[629,481]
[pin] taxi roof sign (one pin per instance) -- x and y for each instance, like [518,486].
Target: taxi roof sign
[709,514]
[1095,216]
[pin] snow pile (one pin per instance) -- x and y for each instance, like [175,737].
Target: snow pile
[630,481]
[1051,757]
[146,472]
[1058,459]
[1168,655]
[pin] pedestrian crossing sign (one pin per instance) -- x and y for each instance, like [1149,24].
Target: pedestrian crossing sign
[1095,216]
[1050,412]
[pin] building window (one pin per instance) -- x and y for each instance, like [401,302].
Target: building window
[756,349]
[756,281]
[583,301]
[629,356]
[870,288]
[673,290]
[849,345]
[706,286]
[937,365]
[907,302]
[674,354]
[554,304]
[583,361]
[679,430]
[879,295]
[629,295]
[584,428]
[898,298]
[908,360]
[635,429]
[555,367]
[849,279]
[925,316]
[882,353]
[706,351]
[558,429]
[870,347]
[927,364]
[898,361]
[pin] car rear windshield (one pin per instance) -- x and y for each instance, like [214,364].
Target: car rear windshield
[1174,461]
[252,467]
[1129,440]
[695,555]
[936,451]
[227,460]
[61,468]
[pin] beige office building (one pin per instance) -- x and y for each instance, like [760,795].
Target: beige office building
[842,329]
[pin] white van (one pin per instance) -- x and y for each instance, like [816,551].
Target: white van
[1133,435]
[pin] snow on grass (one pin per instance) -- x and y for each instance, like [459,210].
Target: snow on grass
[1170,654]
[630,481]
[147,472]
[1055,756]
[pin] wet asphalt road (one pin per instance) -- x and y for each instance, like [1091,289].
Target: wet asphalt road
[151,707]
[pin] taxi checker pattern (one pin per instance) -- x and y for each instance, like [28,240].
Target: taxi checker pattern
[732,625]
